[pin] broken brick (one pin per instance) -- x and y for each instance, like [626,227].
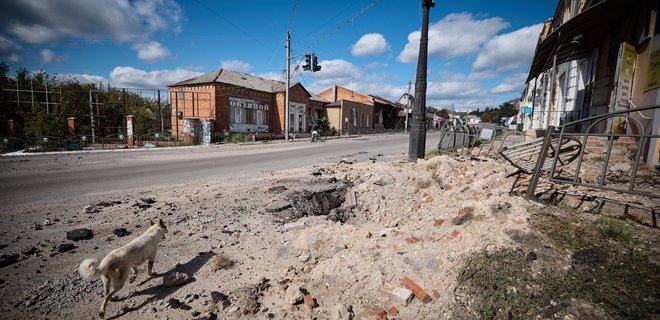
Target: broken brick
[412,239]
[309,301]
[416,205]
[518,221]
[294,307]
[438,222]
[428,199]
[393,311]
[378,313]
[435,294]
[416,290]
[452,235]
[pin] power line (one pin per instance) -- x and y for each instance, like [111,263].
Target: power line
[209,9]
[342,24]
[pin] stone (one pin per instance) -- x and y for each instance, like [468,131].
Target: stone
[291,226]
[461,219]
[589,256]
[91,209]
[148,200]
[620,167]
[278,206]
[275,189]
[531,256]
[64,247]
[293,295]
[121,232]
[174,303]
[8,259]
[79,234]
[351,199]
[400,295]
[175,279]
[383,180]
[219,297]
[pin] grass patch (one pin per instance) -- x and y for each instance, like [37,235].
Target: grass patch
[432,154]
[221,261]
[622,282]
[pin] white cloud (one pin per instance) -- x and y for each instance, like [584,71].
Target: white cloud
[82,78]
[509,51]
[236,65]
[9,49]
[151,51]
[513,83]
[336,69]
[272,76]
[455,35]
[37,21]
[454,90]
[122,21]
[136,78]
[370,44]
[49,56]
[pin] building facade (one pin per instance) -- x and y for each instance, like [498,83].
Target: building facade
[224,101]
[594,57]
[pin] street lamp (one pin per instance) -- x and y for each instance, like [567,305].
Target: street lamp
[417,137]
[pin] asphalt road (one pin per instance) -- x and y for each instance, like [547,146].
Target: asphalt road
[28,178]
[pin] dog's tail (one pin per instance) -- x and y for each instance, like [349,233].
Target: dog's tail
[89,268]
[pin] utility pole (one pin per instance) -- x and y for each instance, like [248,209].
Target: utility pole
[288,74]
[288,83]
[417,142]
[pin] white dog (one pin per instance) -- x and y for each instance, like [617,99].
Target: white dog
[114,268]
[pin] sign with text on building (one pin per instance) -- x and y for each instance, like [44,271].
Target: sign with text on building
[626,68]
[653,75]
[247,103]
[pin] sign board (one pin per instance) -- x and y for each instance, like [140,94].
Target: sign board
[653,74]
[486,134]
[527,110]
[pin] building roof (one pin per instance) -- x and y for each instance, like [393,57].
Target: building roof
[238,79]
[317,98]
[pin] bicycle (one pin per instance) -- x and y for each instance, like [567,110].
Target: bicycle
[316,136]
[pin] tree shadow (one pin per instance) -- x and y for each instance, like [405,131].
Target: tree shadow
[160,292]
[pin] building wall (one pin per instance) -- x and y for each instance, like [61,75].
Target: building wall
[363,117]
[334,116]
[191,102]
[297,95]
[336,93]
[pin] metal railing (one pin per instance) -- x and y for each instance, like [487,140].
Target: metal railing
[476,140]
[575,175]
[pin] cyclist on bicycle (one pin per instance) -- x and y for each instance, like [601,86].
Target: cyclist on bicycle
[315,133]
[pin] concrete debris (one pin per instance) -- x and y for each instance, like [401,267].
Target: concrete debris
[278,206]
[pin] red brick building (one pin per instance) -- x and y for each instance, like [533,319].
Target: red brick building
[224,101]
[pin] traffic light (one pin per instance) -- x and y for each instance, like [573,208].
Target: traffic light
[308,63]
[315,64]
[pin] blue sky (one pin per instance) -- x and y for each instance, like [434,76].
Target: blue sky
[479,50]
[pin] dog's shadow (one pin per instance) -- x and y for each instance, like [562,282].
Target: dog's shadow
[160,292]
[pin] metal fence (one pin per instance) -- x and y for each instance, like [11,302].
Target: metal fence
[482,140]
[635,136]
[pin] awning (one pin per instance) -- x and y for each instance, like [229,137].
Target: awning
[579,36]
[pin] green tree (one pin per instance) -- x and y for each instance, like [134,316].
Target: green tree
[442,113]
